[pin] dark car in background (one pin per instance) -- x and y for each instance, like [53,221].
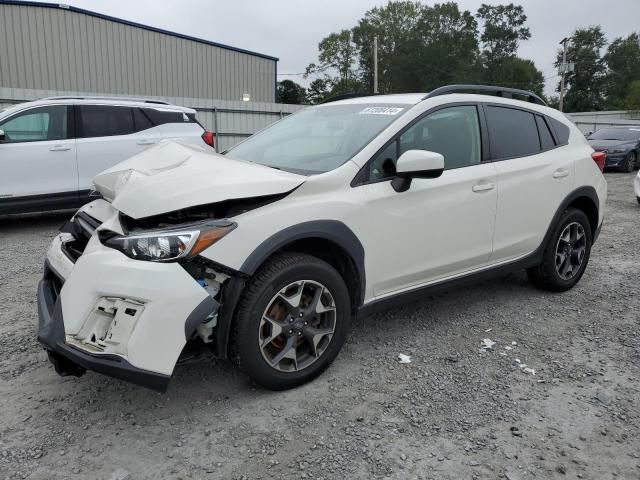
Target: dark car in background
[621,144]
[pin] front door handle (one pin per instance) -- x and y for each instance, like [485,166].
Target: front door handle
[483,187]
[60,148]
[146,142]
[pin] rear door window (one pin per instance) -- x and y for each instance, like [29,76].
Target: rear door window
[546,139]
[105,120]
[513,132]
[141,120]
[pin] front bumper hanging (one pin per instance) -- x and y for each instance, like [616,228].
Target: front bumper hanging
[68,360]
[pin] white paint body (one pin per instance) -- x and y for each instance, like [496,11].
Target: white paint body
[467,220]
[636,186]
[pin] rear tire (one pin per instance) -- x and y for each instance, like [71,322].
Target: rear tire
[566,254]
[291,322]
[629,162]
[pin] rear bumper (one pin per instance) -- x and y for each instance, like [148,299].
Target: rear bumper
[68,360]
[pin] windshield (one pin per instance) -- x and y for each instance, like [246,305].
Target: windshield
[629,134]
[318,139]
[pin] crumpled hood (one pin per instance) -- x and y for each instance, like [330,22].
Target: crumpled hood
[173,175]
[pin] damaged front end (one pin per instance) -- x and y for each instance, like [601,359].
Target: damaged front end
[132,298]
[126,287]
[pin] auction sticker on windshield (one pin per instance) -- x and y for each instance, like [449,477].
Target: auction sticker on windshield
[381,111]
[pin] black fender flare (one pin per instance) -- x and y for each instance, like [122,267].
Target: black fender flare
[580,192]
[332,230]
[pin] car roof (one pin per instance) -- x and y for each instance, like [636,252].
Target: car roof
[90,100]
[396,98]
[415,98]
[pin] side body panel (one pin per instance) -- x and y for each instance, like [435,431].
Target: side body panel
[530,189]
[439,227]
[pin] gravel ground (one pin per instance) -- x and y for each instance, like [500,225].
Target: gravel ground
[454,412]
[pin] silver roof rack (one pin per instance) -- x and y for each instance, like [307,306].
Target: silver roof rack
[487,90]
[115,99]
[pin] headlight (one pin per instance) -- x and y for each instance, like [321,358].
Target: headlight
[169,244]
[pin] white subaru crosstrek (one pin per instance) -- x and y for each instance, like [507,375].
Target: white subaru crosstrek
[267,252]
[50,149]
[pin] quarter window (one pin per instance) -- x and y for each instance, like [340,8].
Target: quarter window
[36,125]
[105,120]
[513,132]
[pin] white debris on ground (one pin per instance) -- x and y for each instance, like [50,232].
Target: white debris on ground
[120,474]
[487,343]
[402,358]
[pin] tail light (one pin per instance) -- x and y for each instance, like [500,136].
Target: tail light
[208,138]
[600,158]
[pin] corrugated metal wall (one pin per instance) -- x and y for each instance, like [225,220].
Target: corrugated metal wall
[63,49]
[232,121]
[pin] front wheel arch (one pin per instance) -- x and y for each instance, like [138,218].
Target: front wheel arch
[329,240]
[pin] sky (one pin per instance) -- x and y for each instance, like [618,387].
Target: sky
[292,29]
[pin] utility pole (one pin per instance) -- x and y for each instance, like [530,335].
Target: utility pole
[563,69]
[375,64]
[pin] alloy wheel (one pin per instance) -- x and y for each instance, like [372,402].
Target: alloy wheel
[571,250]
[297,326]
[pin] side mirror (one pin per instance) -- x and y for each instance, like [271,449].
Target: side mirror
[416,164]
[2,136]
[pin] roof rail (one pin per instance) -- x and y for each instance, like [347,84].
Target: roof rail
[486,89]
[91,97]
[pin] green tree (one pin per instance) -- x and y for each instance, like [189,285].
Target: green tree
[422,47]
[447,50]
[337,56]
[395,26]
[503,29]
[585,85]
[516,72]
[319,90]
[292,93]
[632,101]
[623,62]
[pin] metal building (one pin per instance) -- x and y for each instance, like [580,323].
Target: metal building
[54,49]
[57,47]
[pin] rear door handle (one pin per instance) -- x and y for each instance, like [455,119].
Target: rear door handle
[146,142]
[60,148]
[561,173]
[483,187]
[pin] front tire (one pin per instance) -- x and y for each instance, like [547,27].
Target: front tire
[629,162]
[292,321]
[566,255]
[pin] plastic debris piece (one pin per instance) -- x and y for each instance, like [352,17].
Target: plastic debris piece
[514,343]
[402,358]
[529,370]
[517,360]
[508,348]
[488,330]
[487,343]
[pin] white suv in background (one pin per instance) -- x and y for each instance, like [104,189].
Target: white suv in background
[50,149]
[266,253]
